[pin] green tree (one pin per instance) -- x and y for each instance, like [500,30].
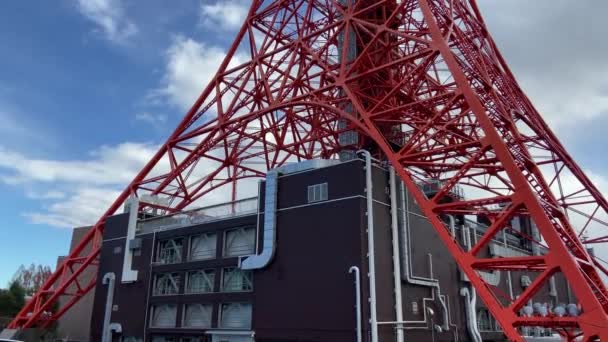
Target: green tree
[11,301]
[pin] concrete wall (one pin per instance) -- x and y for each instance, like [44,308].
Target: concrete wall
[73,325]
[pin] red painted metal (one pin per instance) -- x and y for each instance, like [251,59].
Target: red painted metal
[422,84]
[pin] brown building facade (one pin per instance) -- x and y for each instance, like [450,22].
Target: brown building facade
[309,228]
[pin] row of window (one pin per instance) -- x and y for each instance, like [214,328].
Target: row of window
[199,316]
[486,322]
[178,339]
[237,242]
[203,281]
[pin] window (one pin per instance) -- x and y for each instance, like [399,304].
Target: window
[192,339]
[203,246]
[237,280]
[197,315]
[169,251]
[486,322]
[132,339]
[239,241]
[317,193]
[235,316]
[166,284]
[200,281]
[163,316]
[163,339]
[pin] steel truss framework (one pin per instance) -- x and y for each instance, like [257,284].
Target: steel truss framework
[429,92]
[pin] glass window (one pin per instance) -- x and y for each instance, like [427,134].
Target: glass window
[237,280]
[166,284]
[197,315]
[239,241]
[163,339]
[191,339]
[132,339]
[163,316]
[317,193]
[201,281]
[169,251]
[203,246]
[484,320]
[235,316]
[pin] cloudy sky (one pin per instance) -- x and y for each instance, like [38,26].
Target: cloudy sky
[90,88]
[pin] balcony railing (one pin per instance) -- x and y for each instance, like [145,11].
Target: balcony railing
[216,212]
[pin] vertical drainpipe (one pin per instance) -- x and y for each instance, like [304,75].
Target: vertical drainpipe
[509,277]
[370,245]
[396,256]
[110,279]
[470,295]
[355,269]
[262,260]
[128,274]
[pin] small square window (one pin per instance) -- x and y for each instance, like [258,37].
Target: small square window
[203,247]
[166,284]
[235,316]
[169,251]
[237,280]
[197,315]
[239,242]
[163,316]
[317,193]
[201,281]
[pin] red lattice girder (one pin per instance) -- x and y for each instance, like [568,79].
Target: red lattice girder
[422,85]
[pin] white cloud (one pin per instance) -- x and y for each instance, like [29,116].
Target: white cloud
[151,118]
[190,67]
[225,14]
[110,17]
[84,207]
[46,195]
[106,165]
[74,192]
[562,67]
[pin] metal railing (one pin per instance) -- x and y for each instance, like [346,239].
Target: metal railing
[201,215]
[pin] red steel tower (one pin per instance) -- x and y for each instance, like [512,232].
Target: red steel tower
[421,84]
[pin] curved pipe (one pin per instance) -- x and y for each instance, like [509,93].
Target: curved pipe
[110,280]
[470,296]
[370,244]
[469,303]
[115,328]
[355,270]
[446,319]
[270,225]
[407,273]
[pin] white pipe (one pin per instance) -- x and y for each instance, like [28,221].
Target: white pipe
[469,304]
[110,279]
[408,275]
[129,275]
[262,260]
[370,245]
[446,319]
[470,296]
[355,269]
[509,278]
[408,271]
[396,255]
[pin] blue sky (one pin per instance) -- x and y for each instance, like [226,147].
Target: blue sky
[89,89]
